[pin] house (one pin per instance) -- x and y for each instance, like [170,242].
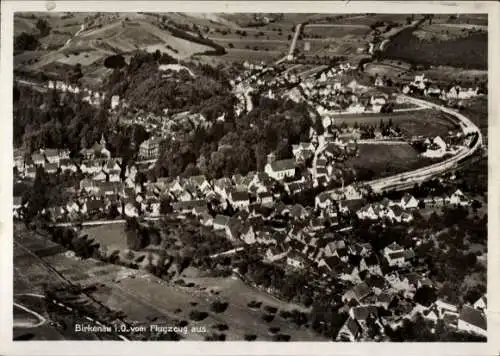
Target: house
[100,177]
[38,159]
[322,201]
[248,234]
[188,206]
[349,273]
[394,254]
[296,259]
[220,222]
[275,253]
[52,155]
[233,229]
[444,308]
[201,183]
[150,148]
[408,201]
[265,198]
[51,168]
[362,313]
[66,165]
[151,207]
[93,206]
[223,187]
[280,169]
[329,264]
[358,293]
[472,320]
[377,100]
[72,207]
[239,200]
[370,264]
[19,161]
[481,304]
[350,331]
[114,175]
[458,198]
[242,183]
[384,299]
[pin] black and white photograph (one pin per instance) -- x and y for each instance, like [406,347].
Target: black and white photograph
[249,176]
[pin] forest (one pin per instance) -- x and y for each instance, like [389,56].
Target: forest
[464,52]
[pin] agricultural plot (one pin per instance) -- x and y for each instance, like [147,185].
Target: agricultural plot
[84,58]
[377,161]
[179,302]
[256,44]
[248,55]
[446,32]
[113,235]
[413,123]
[387,68]
[335,31]
[468,52]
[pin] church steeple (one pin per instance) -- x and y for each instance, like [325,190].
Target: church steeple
[103,141]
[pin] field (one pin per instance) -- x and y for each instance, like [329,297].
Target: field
[469,52]
[241,55]
[144,298]
[413,123]
[335,31]
[387,68]
[447,31]
[377,161]
[111,235]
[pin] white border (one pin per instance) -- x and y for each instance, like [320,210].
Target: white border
[244,348]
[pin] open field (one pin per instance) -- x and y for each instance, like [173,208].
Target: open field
[253,43]
[387,68]
[113,235]
[244,55]
[335,31]
[446,32]
[380,161]
[461,19]
[413,123]
[469,52]
[143,297]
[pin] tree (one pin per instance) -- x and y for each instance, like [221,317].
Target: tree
[44,27]
[25,42]
[425,295]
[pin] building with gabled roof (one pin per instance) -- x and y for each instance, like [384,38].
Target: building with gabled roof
[472,320]
[281,169]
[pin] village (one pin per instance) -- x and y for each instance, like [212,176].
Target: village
[249,210]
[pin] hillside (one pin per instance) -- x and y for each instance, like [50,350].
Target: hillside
[449,43]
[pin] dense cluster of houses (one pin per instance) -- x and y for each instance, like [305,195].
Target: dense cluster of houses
[367,298]
[423,85]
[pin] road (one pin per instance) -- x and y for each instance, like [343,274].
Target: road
[27,324]
[82,28]
[228,253]
[408,179]
[335,25]
[63,279]
[292,45]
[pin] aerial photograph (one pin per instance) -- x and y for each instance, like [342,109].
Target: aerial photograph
[250,176]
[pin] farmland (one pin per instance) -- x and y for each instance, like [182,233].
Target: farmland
[376,161]
[469,52]
[143,297]
[412,123]
[113,235]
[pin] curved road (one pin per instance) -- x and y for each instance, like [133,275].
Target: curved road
[408,179]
